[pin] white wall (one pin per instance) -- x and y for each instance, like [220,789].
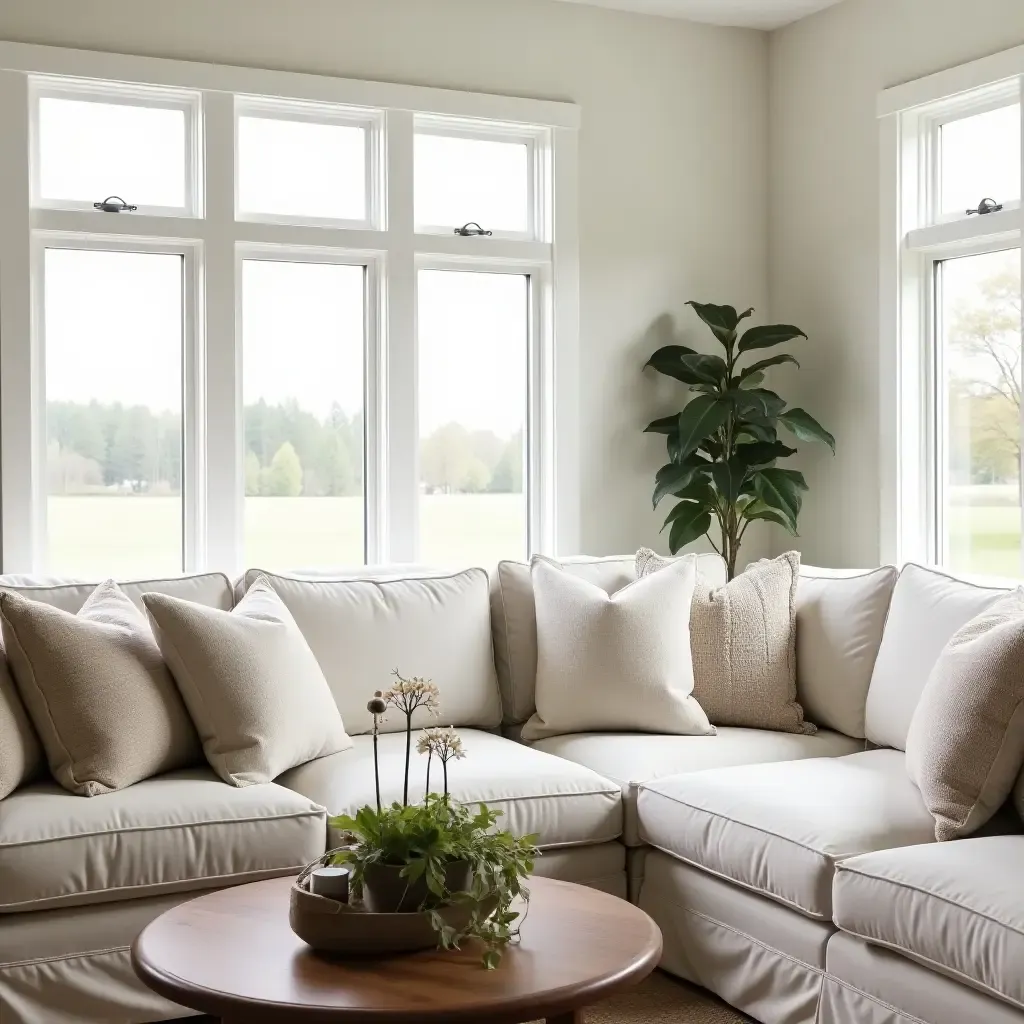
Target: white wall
[825,74]
[672,160]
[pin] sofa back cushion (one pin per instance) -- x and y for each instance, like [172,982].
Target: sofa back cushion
[21,755]
[927,608]
[514,619]
[840,616]
[361,630]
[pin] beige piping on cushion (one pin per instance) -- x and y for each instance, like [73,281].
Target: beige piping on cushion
[65,956]
[315,812]
[171,885]
[802,911]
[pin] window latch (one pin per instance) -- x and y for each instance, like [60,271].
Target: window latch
[986,206]
[471,229]
[114,204]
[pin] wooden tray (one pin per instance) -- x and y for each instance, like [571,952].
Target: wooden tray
[334,927]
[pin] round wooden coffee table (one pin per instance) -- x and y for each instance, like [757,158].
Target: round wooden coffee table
[231,954]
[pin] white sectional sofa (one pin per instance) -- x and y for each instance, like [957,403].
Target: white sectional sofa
[795,875]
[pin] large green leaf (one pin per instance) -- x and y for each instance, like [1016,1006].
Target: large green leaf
[763,364]
[769,335]
[757,402]
[729,477]
[781,489]
[760,453]
[753,381]
[702,417]
[758,510]
[697,491]
[759,430]
[806,428]
[685,365]
[723,320]
[665,425]
[675,477]
[693,521]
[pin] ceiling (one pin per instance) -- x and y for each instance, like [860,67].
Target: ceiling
[765,14]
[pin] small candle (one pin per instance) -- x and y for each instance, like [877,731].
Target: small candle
[330,882]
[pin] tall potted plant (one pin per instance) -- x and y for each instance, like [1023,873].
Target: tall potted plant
[724,446]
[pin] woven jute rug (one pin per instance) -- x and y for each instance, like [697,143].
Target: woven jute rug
[662,999]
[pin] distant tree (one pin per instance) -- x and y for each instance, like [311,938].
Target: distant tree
[252,474]
[445,458]
[508,473]
[987,331]
[476,476]
[283,477]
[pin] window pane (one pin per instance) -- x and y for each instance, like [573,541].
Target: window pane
[301,169]
[113,346]
[88,151]
[302,352]
[472,397]
[980,158]
[461,180]
[980,307]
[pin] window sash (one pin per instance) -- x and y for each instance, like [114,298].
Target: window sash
[187,101]
[915,239]
[389,246]
[371,121]
[193,475]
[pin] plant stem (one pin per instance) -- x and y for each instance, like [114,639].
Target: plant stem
[444,764]
[430,754]
[408,752]
[376,763]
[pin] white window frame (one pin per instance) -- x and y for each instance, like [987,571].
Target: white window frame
[538,158]
[86,91]
[372,123]
[915,238]
[388,245]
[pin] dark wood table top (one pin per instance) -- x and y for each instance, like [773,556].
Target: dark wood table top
[232,954]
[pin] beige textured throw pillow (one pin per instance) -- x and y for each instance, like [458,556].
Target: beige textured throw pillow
[743,637]
[966,740]
[252,685]
[97,690]
[614,661]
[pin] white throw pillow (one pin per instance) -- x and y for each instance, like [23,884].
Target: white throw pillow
[253,687]
[927,607]
[614,661]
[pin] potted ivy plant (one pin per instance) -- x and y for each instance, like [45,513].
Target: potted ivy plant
[724,447]
[426,856]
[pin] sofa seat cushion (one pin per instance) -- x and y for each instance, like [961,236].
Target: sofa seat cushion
[779,829]
[566,804]
[630,759]
[956,907]
[172,833]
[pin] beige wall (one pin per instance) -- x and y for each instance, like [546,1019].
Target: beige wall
[672,159]
[825,74]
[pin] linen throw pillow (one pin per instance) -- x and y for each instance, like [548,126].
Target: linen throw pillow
[252,685]
[614,661]
[966,740]
[743,637]
[97,690]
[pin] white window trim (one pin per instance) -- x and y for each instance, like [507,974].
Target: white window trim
[389,246]
[913,239]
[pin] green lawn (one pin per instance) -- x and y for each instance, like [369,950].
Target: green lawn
[124,536]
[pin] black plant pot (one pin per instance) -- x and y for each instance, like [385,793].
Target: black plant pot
[385,891]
